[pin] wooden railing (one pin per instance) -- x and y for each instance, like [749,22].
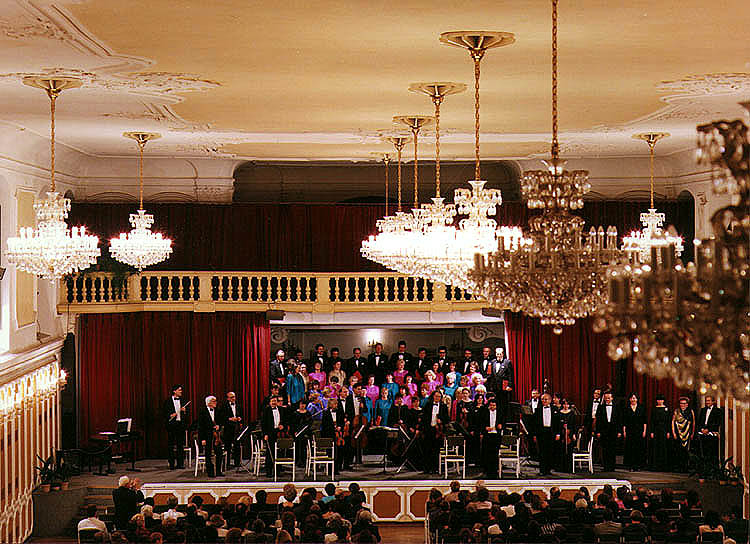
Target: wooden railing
[253,291]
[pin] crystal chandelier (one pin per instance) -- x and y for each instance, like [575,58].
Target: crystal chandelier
[385,244]
[448,252]
[637,245]
[692,323]
[140,247]
[556,272]
[52,250]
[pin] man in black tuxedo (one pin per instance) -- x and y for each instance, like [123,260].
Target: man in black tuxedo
[208,424]
[504,379]
[335,355]
[401,354]
[463,366]
[277,372]
[377,363]
[357,363]
[529,421]
[485,365]
[443,360]
[591,409]
[709,423]
[333,425]
[420,364]
[230,417]
[491,427]
[271,424]
[608,430]
[435,417]
[547,424]
[320,355]
[174,412]
[398,414]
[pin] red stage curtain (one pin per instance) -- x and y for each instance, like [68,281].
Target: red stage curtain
[312,237]
[574,362]
[129,362]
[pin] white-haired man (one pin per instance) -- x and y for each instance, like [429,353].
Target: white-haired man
[277,372]
[209,434]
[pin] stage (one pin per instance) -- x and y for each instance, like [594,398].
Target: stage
[393,497]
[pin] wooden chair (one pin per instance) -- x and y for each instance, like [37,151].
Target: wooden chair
[509,452]
[282,457]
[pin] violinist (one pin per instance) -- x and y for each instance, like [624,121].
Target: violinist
[413,416]
[231,419]
[398,414]
[492,424]
[209,434]
[358,413]
[272,423]
[336,427]
[435,416]
[301,427]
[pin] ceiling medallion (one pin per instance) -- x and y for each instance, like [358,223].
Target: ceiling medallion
[637,245]
[691,323]
[52,250]
[140,247]
[556,271]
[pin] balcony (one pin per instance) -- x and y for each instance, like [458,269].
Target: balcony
[316,293]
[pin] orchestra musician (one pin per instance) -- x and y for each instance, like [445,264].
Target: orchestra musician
[710,421]
[608,430]
[174,412]
[414,416]
[398,414]
[529,422]
[209,434]
[272,424]
[336,427]
[492,425]
[231,421]
[435,416]
[547,425]
[301,427]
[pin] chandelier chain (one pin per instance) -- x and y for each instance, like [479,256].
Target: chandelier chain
[437,99]
[477,59]
[399,148]
[415,132]
[555,142]
[387,161]
[53,93]
[651,144]
[141,145]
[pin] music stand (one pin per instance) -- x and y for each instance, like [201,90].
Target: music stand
[390,433]
[412,441]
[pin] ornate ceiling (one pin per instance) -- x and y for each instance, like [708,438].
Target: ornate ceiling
[320,80]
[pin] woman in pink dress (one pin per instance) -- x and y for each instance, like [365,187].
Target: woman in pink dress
[318,374]
[410,385]
[372,391]
[430,382]
[400,372]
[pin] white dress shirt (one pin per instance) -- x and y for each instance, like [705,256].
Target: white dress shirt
[546,416]
[609,413]
[333,416]
[177,408]
[233,406]
[276,417]
[534,404]
[493,421]
[211,413]
[708,414]
[435,412]
[594,408]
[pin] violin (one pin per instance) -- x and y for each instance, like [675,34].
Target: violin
[217,436]
[341,433]
[359,437]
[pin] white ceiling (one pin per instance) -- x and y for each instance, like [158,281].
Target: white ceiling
[321,80]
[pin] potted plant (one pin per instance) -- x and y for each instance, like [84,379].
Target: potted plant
[63,473]
[46,473]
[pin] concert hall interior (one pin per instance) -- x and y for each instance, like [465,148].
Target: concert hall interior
[374,271]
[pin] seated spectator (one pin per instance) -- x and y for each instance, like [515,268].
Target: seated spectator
[92,521]
[482,501]
[289,494]
[198,502]
[259,505]
[234,536]
[659,526]
[636,530]
[152,519]
[433,500]
[157,538]
[365,522]
[556,501]
[330,490]
[498,521]
[608,526]
[713,525]
[217,522]
[171,512]
[666,499]
[283,536]
[686,527]
[453,495]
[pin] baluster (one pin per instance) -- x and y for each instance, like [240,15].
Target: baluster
[303,287]
[264,289]
[274,282]
[254,289]
[235,288]
[361,286]
[244,284]
[332,285]
[215,288]
[313,289]
[352,287]
[225,288]
[284,288]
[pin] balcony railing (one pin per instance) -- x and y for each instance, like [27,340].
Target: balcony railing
[256,291]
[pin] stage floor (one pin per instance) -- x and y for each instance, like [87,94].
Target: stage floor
[157,471]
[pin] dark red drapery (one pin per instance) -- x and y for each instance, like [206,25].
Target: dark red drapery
[129,361]
[312,237]
[574,362]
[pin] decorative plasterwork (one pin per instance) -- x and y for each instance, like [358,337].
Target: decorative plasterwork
[480,333]
[28,26]
[706,85]
[158,85]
